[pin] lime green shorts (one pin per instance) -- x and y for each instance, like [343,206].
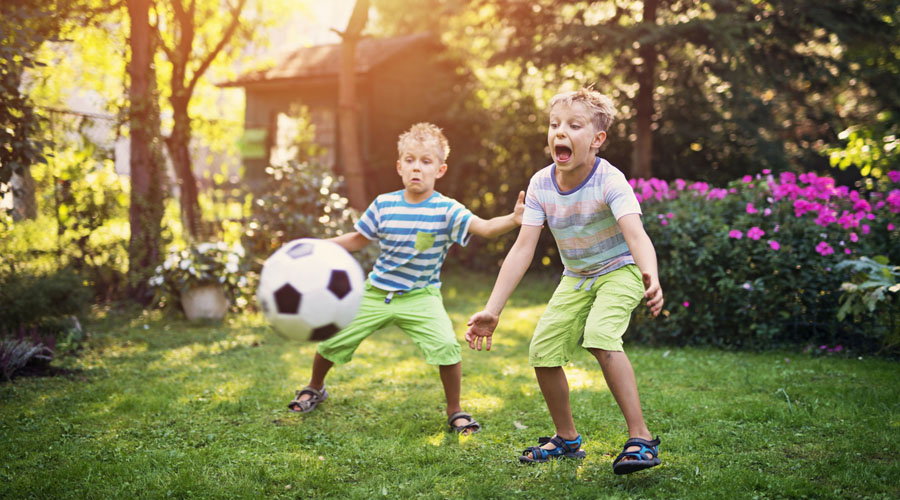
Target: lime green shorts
[419,313]
[595,316]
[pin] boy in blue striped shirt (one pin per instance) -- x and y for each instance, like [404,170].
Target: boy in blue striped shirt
[414,228]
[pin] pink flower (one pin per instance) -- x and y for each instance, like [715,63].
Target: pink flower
[686,304]
[866,229]
[894,175]
[766,171]
[848,251]
[824,248]
[767,212]
[664,222]
[755,233]
[890,226]
[774,244]
[747,179]
[734,233]
[853,237]
[751,209]
[670,215]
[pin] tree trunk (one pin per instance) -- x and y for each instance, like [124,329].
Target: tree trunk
[24,199]
[178,145]
[145,212]
[348,112]
[642,154]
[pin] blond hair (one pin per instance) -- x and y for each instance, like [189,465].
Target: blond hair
[600,107]
[425,133]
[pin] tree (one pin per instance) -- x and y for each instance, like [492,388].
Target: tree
[24,26]
[721,86]
[192,35]
[348,114]
[147,167]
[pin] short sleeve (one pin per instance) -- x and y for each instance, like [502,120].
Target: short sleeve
[619,196]
[459,218]
[534,213]
[367,225]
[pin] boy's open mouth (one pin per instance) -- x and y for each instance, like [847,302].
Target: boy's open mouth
[563,153]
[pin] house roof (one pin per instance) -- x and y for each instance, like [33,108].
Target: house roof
[323,61]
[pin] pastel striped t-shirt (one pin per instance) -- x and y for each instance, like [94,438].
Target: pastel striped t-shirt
[583,220]
[413,237]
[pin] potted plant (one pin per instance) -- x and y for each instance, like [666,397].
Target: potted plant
[205,279]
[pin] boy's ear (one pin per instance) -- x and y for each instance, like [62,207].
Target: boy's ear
[398,168]
[599,139]
[441,171]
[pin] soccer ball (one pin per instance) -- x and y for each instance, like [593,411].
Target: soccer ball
[310,289]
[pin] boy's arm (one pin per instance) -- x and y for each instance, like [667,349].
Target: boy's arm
[518,259]
[492,228]
[351,241]
[645,257]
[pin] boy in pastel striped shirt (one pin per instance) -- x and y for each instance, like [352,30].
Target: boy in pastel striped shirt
[610,264]
[414,228]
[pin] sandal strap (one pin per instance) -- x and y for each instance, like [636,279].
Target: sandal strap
[567,446]
[537,453]
[312,391]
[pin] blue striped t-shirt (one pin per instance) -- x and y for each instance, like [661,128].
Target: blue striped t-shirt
[413,237]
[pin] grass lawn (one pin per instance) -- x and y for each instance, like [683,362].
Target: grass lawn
[158,407]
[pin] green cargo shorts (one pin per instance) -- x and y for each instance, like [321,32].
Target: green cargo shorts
[595,316]
[419,313]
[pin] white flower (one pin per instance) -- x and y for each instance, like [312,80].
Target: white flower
[186,263]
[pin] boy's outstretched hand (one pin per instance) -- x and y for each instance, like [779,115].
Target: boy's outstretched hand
[653,293]
[481,326]
[520,208]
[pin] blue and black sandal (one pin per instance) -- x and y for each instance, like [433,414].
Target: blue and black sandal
[644,458]
[564,449]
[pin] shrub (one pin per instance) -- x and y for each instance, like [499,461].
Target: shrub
[44,302]
[299,200]
[872,293]
[753,264]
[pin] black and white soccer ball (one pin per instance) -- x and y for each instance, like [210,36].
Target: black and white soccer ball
[310,289]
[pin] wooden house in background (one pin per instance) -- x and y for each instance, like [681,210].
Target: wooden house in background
[400,81]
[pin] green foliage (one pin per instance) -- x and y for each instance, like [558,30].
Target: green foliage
[24,26]
[299,200]
[42,301]
[873,150]
[201,264]
[872,292]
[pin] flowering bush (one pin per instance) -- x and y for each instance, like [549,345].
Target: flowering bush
[754,263]
[201,264]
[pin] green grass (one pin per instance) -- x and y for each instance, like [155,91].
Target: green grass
[164,408]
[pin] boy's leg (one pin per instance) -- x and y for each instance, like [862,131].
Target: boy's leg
[317,377]
[617,294]
[422,316]
[451,379]
[372,316]
[555,339]
[620,379]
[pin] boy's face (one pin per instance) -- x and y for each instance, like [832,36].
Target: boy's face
[572,137]
[420,165]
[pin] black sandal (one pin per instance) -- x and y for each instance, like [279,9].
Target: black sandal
[639,460]
[472,425]
[307,405]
